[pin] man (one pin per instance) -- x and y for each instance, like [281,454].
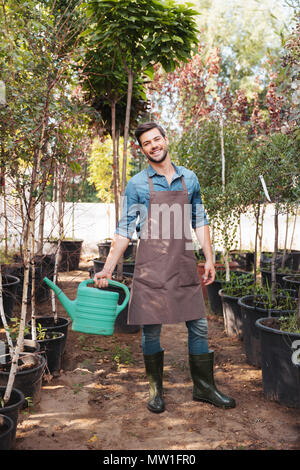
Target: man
[166,286]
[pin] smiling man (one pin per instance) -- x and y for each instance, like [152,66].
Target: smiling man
[165,199]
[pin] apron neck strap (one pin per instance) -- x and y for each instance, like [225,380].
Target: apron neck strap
[152,187]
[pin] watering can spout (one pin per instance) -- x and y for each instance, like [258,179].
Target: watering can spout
[69,305]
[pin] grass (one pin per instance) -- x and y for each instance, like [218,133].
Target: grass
[290,323]
[121,355]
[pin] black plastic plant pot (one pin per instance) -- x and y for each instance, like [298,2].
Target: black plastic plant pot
[12,408]
[280,363]
[52,349]
[44,266]
[6,432]
[128,267]
[245,259]
[267,278]
[9,285]
[292,282]
[232,315]
[70,255]
[292,260]
[104,247]
[28,380]
[28,346]
[131,250]
[214,299]
[121,325]
[250,312]
[48,323]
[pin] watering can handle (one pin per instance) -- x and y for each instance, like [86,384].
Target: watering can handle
[113,283]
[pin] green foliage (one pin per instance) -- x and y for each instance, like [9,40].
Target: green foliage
[121,355]
[247,35]
[14,327]
[200,150]
[43,117]
[41,332]
[278,161]
[239,284]
[6,258]
[290,323]
[287,79]
[145,31]
[282,299]
[105,82]
[100,168]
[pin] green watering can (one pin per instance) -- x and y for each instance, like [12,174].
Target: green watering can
[94,310]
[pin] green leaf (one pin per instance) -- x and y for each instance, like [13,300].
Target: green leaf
[75,166]
[178,39]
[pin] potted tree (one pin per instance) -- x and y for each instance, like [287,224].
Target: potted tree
[219,194]
[276,159]
[230,293]
[280,338]
[280,357]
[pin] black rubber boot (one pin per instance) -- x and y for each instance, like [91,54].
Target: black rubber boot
[154,364]
[201,367]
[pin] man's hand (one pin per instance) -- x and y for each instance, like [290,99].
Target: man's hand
[209,273]
[203,237]
[100,278]
[118,247]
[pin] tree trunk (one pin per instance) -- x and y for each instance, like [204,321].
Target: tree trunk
[3,317]
[126,128]
[255,246]
[260,235]
[118,135]
[226,254]
[285,240]
[20,341]
[5,217]
[293,231]
[33,283]
[222,153]
[60,178]
[240,232]
[40,244]
[115,162]
[213,242]
[273,264]
[14,224]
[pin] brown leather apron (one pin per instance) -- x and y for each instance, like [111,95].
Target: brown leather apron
[166,286]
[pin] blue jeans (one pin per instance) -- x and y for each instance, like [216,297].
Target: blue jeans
[197,337]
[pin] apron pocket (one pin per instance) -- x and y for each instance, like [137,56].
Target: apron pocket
[188,272]
[151,274]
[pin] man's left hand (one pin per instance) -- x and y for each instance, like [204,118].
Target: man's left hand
[209,273]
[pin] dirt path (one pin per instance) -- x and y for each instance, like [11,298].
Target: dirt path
[98,401]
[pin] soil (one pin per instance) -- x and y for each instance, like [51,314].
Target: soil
[98,401]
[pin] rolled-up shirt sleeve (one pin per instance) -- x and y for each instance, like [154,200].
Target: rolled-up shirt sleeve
[130,211]
[199,217]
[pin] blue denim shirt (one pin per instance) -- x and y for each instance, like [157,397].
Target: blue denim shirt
[137,196]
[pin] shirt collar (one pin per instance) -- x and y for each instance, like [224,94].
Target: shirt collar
[153,172]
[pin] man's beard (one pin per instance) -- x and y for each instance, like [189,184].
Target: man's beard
[158,161]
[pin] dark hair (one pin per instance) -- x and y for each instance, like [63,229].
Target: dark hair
[147,126]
